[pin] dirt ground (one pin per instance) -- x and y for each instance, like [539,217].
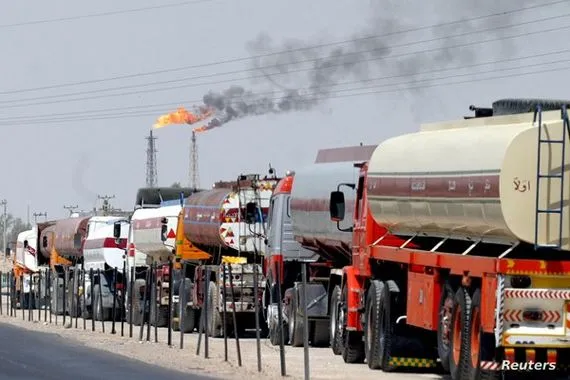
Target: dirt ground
[323,363]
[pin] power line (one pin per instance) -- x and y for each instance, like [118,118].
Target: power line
[160,89]
[102,14]
[159,107]
[335,95]
[311,60]
[312,47]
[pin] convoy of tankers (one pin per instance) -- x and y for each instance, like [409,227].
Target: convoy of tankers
[453,255]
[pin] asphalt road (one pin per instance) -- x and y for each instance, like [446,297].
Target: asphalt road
[33,355]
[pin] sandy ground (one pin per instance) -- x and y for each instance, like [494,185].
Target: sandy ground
[323,363]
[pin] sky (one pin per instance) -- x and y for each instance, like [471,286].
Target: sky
[382,72]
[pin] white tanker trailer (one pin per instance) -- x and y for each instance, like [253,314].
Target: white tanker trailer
[474,181]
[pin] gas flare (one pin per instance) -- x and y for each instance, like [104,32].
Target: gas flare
[182,116]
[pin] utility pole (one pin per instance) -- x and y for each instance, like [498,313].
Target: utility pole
[36,214]
[70,209]
[193,170]
[106,206]
[151,171]
[5,203]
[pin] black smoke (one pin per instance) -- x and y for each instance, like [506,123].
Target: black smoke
[305,73]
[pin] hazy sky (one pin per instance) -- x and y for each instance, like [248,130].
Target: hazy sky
[50,161]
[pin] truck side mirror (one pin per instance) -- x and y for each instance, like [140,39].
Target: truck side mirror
[77,240]
[250,212]
[117,230]
[25,244]
[164,228]
[44,242]
[336,206]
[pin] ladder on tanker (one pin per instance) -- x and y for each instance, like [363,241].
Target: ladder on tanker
[559,206]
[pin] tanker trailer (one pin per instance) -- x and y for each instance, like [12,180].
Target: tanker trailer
[285,254]
[229,222]
[481,205]
[62,244]
[151,239]
[325,248]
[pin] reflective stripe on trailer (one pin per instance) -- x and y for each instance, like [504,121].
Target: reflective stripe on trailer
[538,293]
[547,316]
[490,366]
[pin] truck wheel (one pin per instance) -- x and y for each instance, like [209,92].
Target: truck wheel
[57,295]
[71,301]
[335,331]
[275,333]
[378,327]
[460,339]
[295,323]
[100,313]
[189,312]
[444,325]
[214,322]
[136,309]
[161,319]
[517,106]
[481,344]
[352,345]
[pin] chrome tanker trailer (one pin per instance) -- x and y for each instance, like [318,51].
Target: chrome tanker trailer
[300,232]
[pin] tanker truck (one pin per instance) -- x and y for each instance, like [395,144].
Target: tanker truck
[67,247]
[300,232]
[151,239]
[481,279]
[59,244]
[228,224]
[102,252]
[26,268]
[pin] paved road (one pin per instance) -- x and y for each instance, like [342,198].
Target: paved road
[33,355]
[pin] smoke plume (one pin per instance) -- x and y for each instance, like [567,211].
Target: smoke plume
[303,74]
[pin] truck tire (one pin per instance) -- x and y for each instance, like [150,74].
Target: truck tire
[100,313]
[378,327]
[72,304]
[137,311]
[189,312]
[335,331]
[57,295]
[275,333]
[460,339]
[444,325]
[214,322]
[482,345]
[517,106]
[295,322]
[352,344]
[161,319]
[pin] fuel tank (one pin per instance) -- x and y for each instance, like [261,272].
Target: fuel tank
[310,215]
[473,179]
[146,230]
[216,218]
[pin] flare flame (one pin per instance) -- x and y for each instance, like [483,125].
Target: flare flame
[182,116]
